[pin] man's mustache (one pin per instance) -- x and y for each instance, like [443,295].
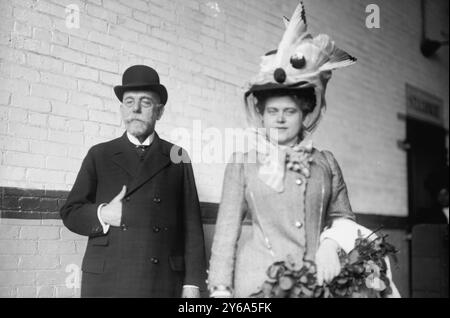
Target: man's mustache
[129,120]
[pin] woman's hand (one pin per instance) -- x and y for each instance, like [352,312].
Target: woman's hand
[327,261]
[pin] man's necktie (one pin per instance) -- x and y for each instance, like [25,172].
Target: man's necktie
[141,150]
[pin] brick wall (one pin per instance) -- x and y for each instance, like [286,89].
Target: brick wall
[56,97]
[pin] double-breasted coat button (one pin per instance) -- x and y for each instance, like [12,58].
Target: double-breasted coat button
[156,229]
[154,260]
[166,229]
[157,200]
[124,227]
[299,182]
[298,224]
[127,199]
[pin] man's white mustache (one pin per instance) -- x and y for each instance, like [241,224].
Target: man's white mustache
[135,119]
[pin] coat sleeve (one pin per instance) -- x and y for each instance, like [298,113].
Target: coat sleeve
[194,246]
[228,227]
[79,213]
[339,205]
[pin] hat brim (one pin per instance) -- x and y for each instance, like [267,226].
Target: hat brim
[275,87]
[157,88]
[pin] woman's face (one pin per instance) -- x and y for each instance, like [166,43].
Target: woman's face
[284,115]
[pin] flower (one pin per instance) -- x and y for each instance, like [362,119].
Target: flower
[363,275]
[373,280]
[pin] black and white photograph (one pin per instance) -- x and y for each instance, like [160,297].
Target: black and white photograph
[238,151]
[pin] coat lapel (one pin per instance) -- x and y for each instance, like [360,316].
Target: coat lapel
[122,156]
[155,161]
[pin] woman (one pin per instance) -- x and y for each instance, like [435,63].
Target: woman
[293,190]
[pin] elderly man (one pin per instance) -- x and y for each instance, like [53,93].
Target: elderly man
[139,209]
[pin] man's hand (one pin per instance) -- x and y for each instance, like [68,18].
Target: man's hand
[112,213]
[190,292]
[327,261]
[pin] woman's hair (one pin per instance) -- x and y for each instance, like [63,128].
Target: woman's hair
[305,98]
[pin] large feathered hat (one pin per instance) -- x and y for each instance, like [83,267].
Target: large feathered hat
[301,61]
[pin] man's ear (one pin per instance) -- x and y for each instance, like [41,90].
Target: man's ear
[160,111]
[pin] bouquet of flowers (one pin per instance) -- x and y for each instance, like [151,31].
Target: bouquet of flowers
[363,275]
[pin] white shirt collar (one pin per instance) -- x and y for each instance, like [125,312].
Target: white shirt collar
[136,142]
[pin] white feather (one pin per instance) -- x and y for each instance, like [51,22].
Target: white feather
[296,28]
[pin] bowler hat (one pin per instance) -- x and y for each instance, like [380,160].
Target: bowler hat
[141,77]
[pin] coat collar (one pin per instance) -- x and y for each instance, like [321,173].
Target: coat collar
[157,159]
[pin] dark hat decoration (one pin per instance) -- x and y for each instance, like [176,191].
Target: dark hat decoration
[141,77]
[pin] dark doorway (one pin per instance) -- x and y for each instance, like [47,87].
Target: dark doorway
[427,172]
[427,176]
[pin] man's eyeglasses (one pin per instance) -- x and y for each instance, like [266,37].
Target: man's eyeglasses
[143,102]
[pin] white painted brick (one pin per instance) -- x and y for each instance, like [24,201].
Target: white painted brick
[102,64]
[94,23]
[77,152]
[46,8]
[56,248]
[123,33]
[48,148]
[62,164]
[12,173]
[135,4]
[14,278]
[42,35]
[49,92]
[110,79]
[104,39]
[101,13]
[26,292]
[36,104]
[70,178]
[147,18]
[74,125]
[83,45]
[32,17]
[44,62]
[78,71]
[95,88]
[20,159]
[22,29]
[66,137]
[117,7]
[104,117]
[60,38]
[15,86]
[45,175]
[21,72]
[18,115]
[40,233]
[71,111]
[132,24]
[4,114]
[9,232]
[8,262]
[14,247]
[68,54]
[36,119]
[4,98]
[33,262]
[107,131]
[46,291]
[58,80]
[51,278]
[26,131]
[57,122]
[17,144]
